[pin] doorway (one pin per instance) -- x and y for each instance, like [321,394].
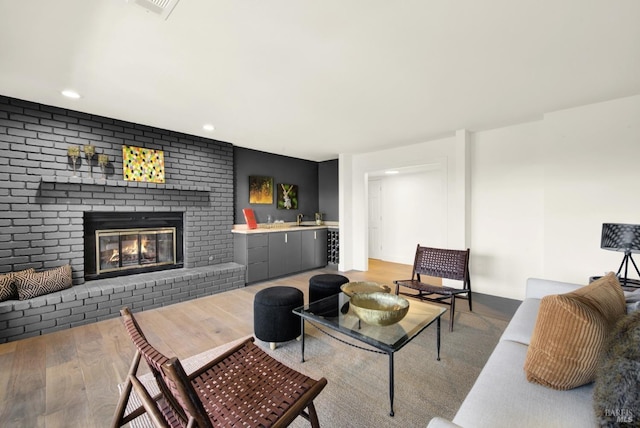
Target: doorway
[406,209]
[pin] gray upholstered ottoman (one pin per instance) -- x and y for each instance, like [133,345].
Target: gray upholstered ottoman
[325,285]
[273,319]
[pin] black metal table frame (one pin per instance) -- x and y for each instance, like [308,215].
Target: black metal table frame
[382,347]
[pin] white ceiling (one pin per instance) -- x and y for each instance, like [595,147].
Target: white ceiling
[314,78]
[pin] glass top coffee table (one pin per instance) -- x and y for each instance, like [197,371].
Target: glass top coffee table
[333,312]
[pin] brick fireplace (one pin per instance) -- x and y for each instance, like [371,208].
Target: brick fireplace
[43,205]
[126,243]
[43,209]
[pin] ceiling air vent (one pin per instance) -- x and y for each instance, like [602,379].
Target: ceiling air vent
[162,8]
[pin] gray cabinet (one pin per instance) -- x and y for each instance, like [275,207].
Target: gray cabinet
[314,248]
[274,254]
[284,253]
[253,252]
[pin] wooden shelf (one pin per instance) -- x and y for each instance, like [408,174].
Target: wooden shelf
[122,183]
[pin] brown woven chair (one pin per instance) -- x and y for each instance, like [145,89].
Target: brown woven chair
[441,263]
[162,409]
[245,386]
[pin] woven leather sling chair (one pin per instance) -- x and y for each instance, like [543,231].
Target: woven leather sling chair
[244,386]
[441,263]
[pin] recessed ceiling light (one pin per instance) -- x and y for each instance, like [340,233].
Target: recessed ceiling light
[208,127]
[391,172]
[70,93]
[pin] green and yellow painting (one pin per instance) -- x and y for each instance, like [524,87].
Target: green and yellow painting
[260,190]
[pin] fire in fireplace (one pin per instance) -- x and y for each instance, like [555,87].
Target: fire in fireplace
[125,243]
[134,248]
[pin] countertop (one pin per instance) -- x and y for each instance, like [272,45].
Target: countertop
[281,227]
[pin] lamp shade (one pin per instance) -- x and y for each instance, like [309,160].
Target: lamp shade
[620,237]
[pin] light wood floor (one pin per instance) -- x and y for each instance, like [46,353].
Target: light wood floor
[69,378]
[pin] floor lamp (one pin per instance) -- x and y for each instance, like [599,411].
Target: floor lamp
[624,238]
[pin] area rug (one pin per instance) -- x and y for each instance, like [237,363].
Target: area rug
[357,393]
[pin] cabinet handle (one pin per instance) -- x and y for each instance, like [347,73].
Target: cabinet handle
[285,238]
[314,235]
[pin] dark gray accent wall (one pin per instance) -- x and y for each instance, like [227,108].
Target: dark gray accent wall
[283,169]
[328,190]
[42,205]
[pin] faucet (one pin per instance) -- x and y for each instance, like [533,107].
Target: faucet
[299,218]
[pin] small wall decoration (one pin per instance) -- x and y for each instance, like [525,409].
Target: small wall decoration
[103,162]
[287,196]
[260,190]
[140,164]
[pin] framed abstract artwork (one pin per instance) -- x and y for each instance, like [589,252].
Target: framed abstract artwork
[260,190]
[140,164]
[287,196]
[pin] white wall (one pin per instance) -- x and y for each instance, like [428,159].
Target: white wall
[507,209]
[538,194]
[413,211]
[592,176]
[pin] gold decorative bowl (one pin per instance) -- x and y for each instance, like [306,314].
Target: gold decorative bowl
[351,288]
[379,308]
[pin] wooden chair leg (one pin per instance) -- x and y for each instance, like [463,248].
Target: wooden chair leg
[118,417]
[313,416]
[469,294]
[149,404]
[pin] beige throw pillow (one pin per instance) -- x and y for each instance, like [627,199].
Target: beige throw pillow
[33,284]
[8,287]
[571,333]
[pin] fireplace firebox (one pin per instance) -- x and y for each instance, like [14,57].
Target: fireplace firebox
[125,243]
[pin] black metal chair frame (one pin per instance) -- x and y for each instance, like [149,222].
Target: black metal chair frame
[441,263]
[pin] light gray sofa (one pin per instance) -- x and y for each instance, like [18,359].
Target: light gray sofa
[502,396]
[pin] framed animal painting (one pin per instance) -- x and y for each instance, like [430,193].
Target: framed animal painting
[287,196]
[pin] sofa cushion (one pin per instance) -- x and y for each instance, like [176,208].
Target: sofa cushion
[571,332]
[502,397]
[616,392]
[537,288]
[522,323]
[33,284]
[8,289]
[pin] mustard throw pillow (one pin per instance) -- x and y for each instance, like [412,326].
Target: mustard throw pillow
[571,332]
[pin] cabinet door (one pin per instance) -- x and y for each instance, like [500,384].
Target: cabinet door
[308,250]
[314,248]
[277,252]
[321,248]
[292,256]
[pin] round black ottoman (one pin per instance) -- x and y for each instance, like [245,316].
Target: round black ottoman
[325,285]
[273,319]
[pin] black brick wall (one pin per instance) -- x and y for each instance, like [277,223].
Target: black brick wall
[41,220]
